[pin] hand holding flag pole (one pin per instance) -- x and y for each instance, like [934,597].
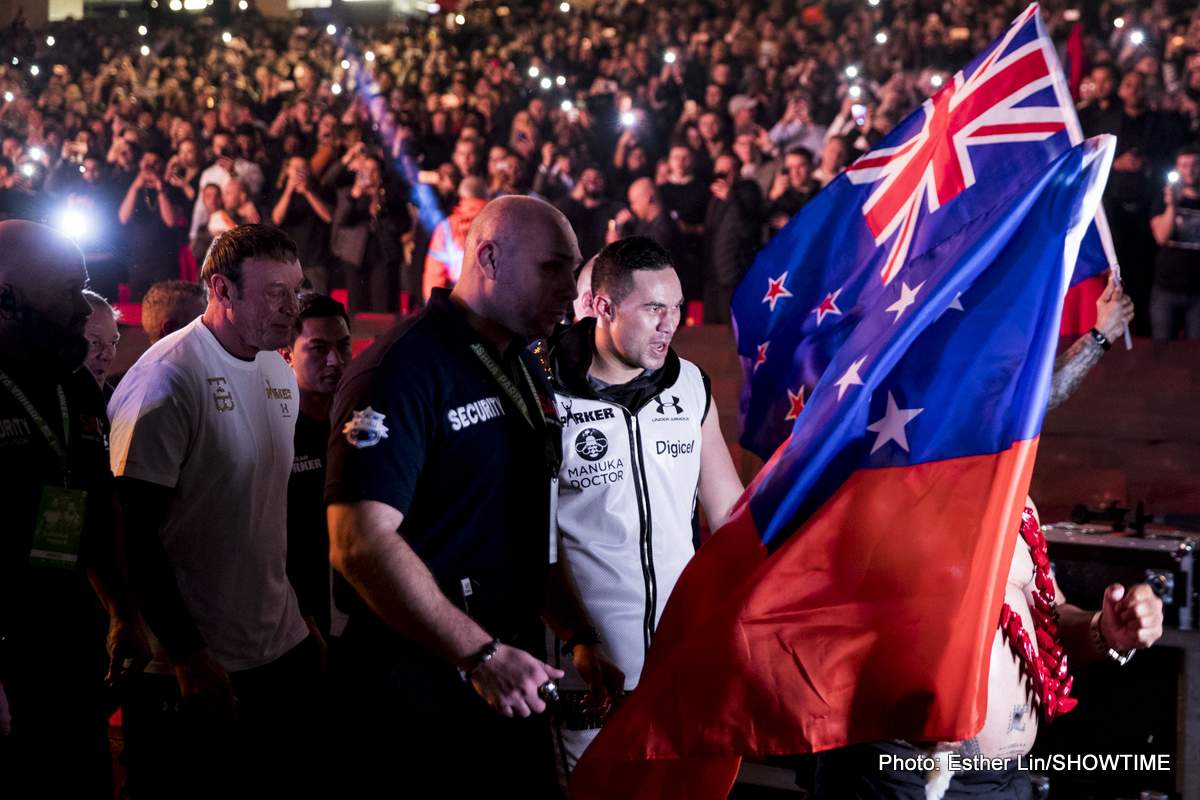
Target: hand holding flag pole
[1116,268]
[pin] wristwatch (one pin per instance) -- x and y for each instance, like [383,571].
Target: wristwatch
[467,667]
[1101,339]
[585,635]
[1121,657]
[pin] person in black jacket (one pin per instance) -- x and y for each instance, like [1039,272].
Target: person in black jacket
[732,236]
[589,210]
[303,214]
[685,200]
[793,188]
[647,217]
[367,224]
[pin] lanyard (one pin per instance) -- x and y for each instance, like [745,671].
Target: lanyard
[551,433]
[50,436]
[507,385]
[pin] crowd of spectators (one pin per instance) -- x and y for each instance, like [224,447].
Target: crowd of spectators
[705,125]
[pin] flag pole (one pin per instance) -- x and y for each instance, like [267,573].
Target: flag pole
[1111,254]
[1075,133]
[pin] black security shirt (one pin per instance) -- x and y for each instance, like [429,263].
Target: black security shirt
[440,441]
[49,607]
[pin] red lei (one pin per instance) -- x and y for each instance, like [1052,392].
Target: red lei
[1046,665]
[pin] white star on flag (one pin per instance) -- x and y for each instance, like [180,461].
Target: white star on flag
[891,426]
[776,290]
[850,378]
[956,303]
[907,298]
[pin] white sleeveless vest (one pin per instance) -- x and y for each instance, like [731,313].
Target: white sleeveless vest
[627,491]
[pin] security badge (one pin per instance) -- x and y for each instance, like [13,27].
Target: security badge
[365,428]
[59,527]
[62,510]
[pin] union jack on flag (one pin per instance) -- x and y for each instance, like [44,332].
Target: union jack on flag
[1001,119]
[982,107]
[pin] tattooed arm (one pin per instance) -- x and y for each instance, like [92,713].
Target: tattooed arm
[1113,312]
[1071,367]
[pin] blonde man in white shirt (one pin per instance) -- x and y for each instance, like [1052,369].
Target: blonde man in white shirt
[201,446]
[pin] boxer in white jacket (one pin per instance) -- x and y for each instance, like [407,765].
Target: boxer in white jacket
[641,443]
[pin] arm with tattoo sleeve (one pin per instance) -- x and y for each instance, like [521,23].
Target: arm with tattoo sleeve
[1114,310]
[1071,367]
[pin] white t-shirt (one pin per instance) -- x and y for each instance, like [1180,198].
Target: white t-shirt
[219,430]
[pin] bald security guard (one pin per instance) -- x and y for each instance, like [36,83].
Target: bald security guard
[444,442]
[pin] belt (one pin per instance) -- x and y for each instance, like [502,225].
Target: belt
[573,714]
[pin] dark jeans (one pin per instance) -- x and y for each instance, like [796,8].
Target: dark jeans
[274,749]
[1169,311]
[404,721]
[853,773]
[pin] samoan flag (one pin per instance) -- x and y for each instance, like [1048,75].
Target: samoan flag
[855,591]
[1006,115]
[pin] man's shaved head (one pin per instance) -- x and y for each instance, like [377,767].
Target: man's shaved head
[42,308]
[513,221]
[518,263]
[28,249]
[643,198]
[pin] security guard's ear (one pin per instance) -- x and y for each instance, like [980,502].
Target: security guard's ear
[487,256]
